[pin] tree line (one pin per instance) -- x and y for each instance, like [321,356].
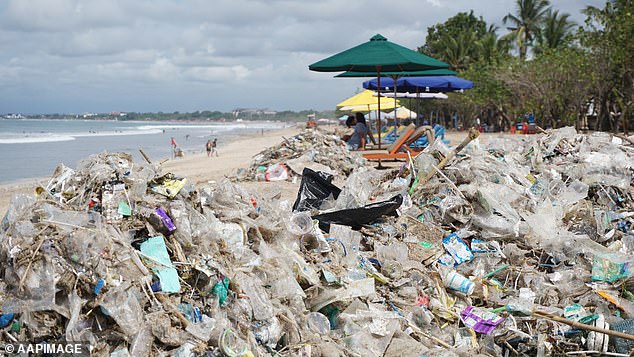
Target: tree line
[204,115]
[562,72]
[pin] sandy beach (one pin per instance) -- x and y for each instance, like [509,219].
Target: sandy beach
[200,169]
[196,167]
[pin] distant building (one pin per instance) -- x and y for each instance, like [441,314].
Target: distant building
[252,111]
[14,116]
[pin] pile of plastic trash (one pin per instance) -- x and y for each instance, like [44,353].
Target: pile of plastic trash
[515,247]
[320,150]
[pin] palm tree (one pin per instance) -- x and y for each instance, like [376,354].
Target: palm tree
[526,22]
[555,32]
[490,48]
[459,51]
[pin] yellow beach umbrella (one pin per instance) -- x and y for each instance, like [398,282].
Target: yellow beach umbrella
[366,101]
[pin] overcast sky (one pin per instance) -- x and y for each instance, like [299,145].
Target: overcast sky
[73,56]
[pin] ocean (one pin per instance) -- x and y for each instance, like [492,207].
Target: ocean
[33,148]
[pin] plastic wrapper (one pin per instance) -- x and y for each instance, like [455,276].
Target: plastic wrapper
[314,189]
[357,217]
[358,188]
[604,268]
[76,329]
[20,205]
[457,248]
[180,218]
[258,298]
[167,185]
[480,320]
[276,172]
[38,291]
[155,252]
[121,303]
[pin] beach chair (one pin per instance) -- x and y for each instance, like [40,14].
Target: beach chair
[391,135]
[437,133]
[417,136]
[396,150]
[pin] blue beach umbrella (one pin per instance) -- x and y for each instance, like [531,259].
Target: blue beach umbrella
[421,84]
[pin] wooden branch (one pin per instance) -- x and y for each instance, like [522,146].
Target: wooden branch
[581,326]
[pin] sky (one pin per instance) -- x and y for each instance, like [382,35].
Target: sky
[78,56]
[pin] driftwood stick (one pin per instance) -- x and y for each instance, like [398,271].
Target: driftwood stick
[145,156]
[173,309]
[581,326]
[473,134]
[28,267]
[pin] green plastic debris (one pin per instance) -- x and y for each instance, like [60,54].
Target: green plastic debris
[603,269]
[329,276]
[155,251]
[425,244]
[16,326]
[221,290]
[124,209]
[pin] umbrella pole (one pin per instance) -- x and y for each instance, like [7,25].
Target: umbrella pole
[395,108]
[417,107]
[378,112]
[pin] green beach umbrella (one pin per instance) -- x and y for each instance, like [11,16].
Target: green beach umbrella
[378,54]
[375,56]
[429,72]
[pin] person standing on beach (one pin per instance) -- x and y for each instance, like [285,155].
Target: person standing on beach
[208,147]
[174,146]
[214,144]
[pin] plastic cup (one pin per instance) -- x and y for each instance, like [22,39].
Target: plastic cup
[318,323]
[231,345]
[301,223]
[392,269]
[458,282]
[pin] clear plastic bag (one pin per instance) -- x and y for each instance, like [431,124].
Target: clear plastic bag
[121,303]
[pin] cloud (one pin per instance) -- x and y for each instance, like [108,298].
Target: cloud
[146,55]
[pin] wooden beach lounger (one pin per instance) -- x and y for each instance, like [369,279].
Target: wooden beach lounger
[396,150]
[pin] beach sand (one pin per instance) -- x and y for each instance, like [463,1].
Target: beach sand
[198,168]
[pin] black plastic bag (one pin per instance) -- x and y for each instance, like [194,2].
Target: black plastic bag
[315,187]
[357,217]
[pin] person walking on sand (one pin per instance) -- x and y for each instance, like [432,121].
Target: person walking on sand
[214,144]
[174,146]
[208,147]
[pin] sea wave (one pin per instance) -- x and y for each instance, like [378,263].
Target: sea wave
[55,137]
[217,127]
[36,139]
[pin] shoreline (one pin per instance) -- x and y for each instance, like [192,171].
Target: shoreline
[235,154]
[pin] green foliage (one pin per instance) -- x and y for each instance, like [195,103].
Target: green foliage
[555,33]
[525,23]
[570,67]
[206,115]
[608,37]
[456,40]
